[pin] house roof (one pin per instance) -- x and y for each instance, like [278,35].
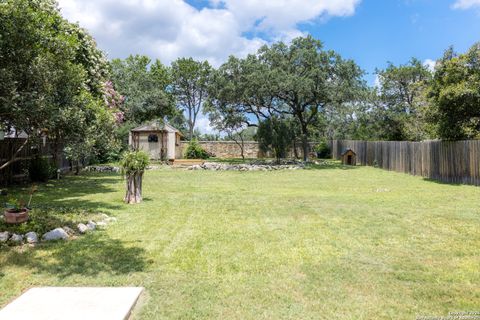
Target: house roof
[156,125]
[347,150]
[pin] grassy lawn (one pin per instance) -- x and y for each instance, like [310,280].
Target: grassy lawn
[328,243]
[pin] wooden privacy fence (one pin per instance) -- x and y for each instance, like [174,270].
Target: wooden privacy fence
[448,161]
[17,170]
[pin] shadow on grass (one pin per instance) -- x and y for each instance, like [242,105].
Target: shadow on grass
[446,182]
[41,221]
[68,192]
[87,256]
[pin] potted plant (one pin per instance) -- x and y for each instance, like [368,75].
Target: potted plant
[16,210]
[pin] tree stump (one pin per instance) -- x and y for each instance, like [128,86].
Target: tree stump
[134,188]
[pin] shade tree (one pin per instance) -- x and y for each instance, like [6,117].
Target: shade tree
[455,95]
[51,73]
[190,80]
[299,80]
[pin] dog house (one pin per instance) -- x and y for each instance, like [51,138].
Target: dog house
[349,157]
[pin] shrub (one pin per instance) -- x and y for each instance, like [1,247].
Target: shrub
[195,151]
[274,134]
[134,162]
[40,169]
[323,150]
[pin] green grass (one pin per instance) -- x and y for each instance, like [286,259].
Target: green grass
[325,243]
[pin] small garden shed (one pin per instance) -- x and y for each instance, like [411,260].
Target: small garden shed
[349,157]
[158,139]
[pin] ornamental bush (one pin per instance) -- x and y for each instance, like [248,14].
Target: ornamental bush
[134,162]
[323,150]
[133,165]
[195,151]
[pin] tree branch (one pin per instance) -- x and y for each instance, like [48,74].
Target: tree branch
[12,160]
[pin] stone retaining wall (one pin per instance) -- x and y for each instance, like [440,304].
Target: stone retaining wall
[230,149]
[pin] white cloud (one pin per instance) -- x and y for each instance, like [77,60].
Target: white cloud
[168,29]
[466,4]
[430,64]
[203,124]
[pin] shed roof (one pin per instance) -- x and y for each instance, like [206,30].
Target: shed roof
[156,125]
[347,150]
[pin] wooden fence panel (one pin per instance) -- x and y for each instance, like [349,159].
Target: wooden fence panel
[447,161]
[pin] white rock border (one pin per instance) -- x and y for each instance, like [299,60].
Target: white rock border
[218,166]
[60,233]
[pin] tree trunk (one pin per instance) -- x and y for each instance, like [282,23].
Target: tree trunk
[190,131]
[77,168]
[305,146]
[295,151]
[241,144]
[134,188]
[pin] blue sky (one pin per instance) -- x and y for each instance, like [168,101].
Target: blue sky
[393,30]
[396,30]
[372,32]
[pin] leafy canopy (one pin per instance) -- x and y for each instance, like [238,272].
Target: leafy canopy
[190,81]
[133,162]
[455,95]
[52,76]
[145,87]
[298,80]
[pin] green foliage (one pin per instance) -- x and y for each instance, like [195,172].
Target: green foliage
[274,134]
[52,69]
[195,151]
[401,104]
[298,80]
[15,204]
[133,162]
[323,150]
[455,95]
[145,86]
[40,169]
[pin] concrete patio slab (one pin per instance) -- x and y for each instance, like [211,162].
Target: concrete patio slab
[61,303]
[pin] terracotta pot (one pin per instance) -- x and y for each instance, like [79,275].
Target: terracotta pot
[13,216]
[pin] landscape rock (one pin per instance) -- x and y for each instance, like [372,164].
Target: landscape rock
[102,169]
[91,225]
[69,230]
[31,237]
[110,219]
[55,234]
[82,228]
[252,166]
[101,224]
[16,238]
[4,236]
[104,216]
